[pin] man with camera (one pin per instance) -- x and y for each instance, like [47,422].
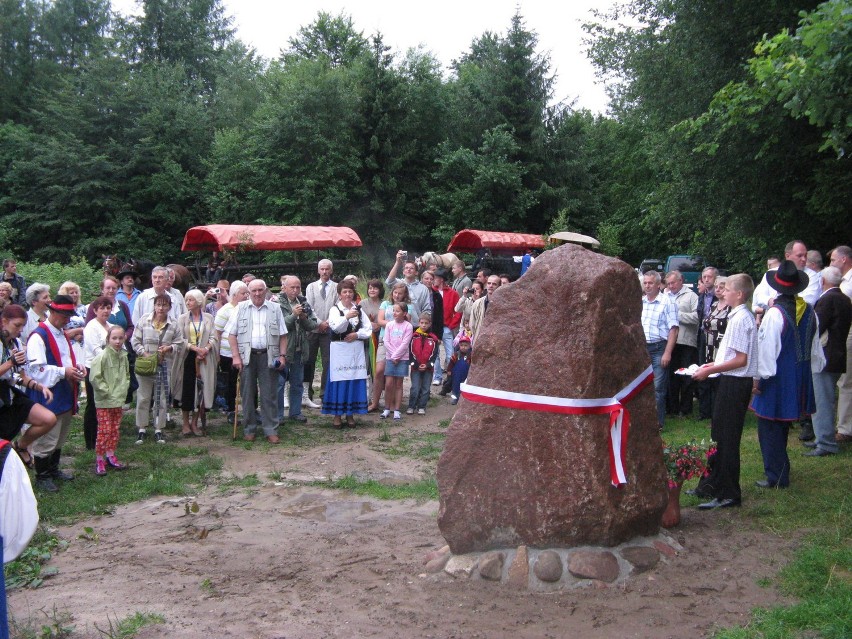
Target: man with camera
[420,294]
[300,321]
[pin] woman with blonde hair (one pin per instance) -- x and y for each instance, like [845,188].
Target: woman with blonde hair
[5,294]
[195,364]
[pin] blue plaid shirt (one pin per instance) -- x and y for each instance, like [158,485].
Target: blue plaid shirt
[658,318]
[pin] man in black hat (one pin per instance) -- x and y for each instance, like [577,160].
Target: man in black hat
[52,364]
[789,351]
[128,291]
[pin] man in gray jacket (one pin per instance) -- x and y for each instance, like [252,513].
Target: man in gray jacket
[685,353]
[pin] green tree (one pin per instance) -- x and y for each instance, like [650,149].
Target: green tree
[479,189]
[332,39]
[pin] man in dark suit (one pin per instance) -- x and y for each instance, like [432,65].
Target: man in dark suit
[834,310]
[705,301]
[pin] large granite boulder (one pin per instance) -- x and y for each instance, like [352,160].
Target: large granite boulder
[569,328]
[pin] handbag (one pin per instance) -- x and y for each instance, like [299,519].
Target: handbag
[146,365]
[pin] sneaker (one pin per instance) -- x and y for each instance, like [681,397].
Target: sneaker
[140,438]
[385,414]
[421,411]
[436,382]
[454,397]
[454,400]
[410,411]
[100,467]
[396,416]
[159,438]
[113,462]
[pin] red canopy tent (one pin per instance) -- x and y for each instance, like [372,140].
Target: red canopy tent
[470,241]
[247,237]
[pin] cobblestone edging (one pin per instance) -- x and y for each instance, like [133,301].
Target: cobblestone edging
[557,568]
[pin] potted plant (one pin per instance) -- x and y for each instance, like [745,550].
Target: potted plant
[683,462]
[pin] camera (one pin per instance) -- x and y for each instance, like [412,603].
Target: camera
[306,308]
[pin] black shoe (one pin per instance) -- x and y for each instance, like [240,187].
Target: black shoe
[765,484]
[55,472]
[809,444]
[46,484]
[298,418]
[719,503]
[61,475]
[817,452]
[807,434]
[140,438]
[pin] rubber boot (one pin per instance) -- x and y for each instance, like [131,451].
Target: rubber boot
[57,473]
[43,480]
[307,402]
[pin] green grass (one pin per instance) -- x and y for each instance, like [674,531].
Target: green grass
[417,445]
[422,490]
[129,627]
[57,624]
[153,469]
[815,511]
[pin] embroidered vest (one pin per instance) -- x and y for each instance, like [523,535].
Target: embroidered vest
[64,392]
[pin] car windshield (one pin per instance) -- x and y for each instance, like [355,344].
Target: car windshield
[686,264]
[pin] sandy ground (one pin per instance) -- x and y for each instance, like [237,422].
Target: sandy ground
[292,561]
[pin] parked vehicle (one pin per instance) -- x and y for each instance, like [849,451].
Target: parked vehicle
[691,267]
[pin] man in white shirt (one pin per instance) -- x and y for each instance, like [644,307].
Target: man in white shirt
[841,257]
[321,295]
[159,285]
[52,364]
[764,295]
[258,339]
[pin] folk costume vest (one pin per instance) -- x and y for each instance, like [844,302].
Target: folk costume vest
[64,392]
[789,395]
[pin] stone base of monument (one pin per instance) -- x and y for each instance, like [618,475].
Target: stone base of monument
[559,568]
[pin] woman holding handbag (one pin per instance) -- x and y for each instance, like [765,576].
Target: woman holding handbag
[155,340]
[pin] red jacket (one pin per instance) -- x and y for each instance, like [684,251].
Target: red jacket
[451,298]
[423,349]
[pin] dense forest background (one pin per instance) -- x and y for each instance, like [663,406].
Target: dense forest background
[727,133]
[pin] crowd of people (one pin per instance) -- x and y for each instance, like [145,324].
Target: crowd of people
[236,347]
[241,349]
[785,356]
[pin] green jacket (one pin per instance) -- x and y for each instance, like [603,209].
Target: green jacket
[297,331]
[110,378]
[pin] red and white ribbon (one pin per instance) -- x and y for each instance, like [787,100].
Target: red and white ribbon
[619,416]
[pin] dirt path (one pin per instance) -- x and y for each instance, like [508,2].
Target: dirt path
[277,561]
